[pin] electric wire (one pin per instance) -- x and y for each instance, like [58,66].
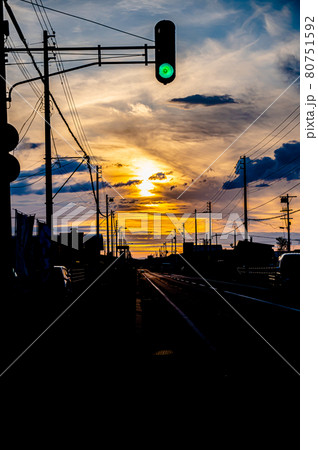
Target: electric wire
[30,119]
[274,198]
[21,35]
[292,120]
[219,194]
[275,217]
[88,20]
[269,134]
[280,139]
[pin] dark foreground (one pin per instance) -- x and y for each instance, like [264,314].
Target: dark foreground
[189,364]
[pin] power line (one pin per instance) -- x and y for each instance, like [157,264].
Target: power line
[26,74]
[269,237]
[280,139]
[31,119]
[269,134]
[263,204]
[275,217]
[219,194]
[87,20]
[21,36]
[20,33]
[282,175]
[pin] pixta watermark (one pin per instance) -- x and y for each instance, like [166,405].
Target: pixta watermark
[68,220]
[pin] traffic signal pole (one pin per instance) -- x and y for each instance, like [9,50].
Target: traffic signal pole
[45,78]
[165,73]
[5,222]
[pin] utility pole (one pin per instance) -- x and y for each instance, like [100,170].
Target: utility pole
[47,130]
[286,199]
[245,199]
[175,241]
[234,238]
[210,223]
[116,236]
[195,228]
[107,226]
[97,202]
[183,229]
[111,232]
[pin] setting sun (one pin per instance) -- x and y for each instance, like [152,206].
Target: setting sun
[147,171]
[145,188]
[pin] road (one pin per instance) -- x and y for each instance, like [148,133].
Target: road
[228,350]
[239,329]
[163,352]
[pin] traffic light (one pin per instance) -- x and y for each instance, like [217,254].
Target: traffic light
[165,53]
[9,141]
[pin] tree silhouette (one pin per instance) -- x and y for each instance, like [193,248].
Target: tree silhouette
[282,243]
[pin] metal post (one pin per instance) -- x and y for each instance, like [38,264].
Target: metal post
[5,223]
[116,236]
[288,225]
[48,153]
[107,225]
[175,241]
[111,232]
[195,228]
[245,199]
[210,223]
[286,199]
[97,202]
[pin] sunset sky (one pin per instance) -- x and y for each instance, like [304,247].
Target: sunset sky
[165,149]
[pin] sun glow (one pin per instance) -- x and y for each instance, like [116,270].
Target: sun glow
[145,170]
[145,187]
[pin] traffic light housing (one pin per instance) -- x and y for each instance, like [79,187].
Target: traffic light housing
[165,53]
[9,140]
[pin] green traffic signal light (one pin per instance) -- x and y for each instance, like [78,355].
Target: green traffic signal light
[166,70]
[165,57]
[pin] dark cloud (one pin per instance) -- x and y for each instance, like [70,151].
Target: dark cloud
[67,167]
[76,187]
[25,144]
[27,178]
[59,168]
[128,183]
[158,176]
[119,165]
[204,100]
[20,188]
[172,187]
[262,185]
[290,66]
[285,164]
